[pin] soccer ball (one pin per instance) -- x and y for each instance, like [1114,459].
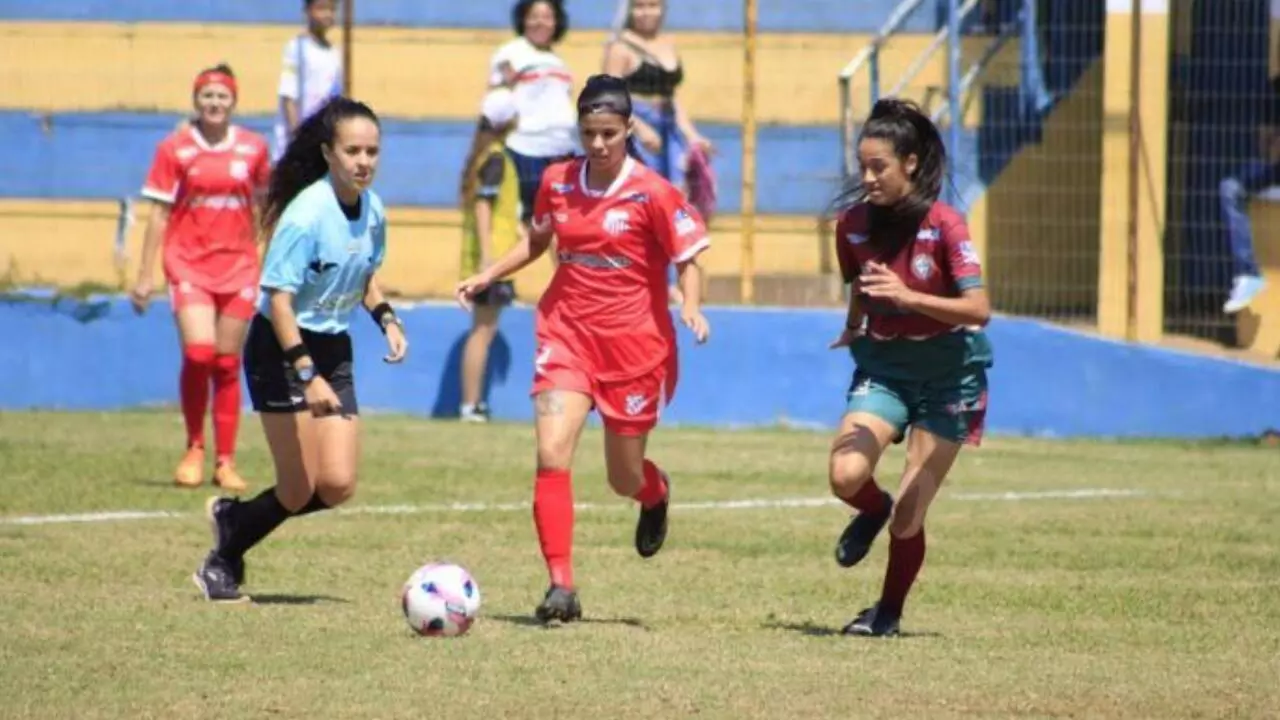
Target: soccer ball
[440,600]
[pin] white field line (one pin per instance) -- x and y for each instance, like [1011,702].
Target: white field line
[749,504]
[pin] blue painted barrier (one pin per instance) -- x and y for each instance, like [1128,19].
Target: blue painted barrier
[105,155]
[824,16]
[762,367]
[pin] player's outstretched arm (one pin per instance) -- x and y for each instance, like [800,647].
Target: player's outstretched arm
[689,275]
[157,223]
[973,307]
[528,249]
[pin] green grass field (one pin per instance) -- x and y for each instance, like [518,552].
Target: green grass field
[1161,603]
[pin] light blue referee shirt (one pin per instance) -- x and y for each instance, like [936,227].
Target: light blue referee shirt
[323,258]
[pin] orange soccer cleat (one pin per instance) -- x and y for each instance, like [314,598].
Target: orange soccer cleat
[190,472]
[226,477]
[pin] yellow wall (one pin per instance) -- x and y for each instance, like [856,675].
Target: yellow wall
[1041,224]
[411,73]
[67,243]
[1131,281]
[417,73]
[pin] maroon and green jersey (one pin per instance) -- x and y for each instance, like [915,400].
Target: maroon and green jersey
[940,260]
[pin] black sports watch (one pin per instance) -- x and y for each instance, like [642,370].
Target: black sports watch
[306,374]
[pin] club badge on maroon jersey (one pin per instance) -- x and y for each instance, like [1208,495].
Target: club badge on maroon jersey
[922,266]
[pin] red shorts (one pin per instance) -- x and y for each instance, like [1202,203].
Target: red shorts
[240,305]
[627,407]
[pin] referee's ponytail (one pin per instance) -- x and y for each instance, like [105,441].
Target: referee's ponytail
[303,162]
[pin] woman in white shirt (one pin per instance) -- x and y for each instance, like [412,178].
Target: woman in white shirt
[311,72]
[543,90]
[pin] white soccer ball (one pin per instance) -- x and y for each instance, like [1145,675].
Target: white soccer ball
[441,600]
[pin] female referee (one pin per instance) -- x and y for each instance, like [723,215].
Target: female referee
[604,334]
[206,182]
[916,309]
[328,239]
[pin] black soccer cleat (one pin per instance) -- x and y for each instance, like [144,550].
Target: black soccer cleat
[651,528]
[561,604]
[216,581]
[856,540]
[218,510]
[873,622]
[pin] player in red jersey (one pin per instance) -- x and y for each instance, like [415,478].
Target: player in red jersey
[604,333]
[917,306]
[206,183]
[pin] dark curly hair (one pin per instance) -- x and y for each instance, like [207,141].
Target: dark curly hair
[521,11]
[303,162]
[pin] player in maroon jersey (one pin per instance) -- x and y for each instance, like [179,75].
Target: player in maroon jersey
[914,327]
[205,183]
[604,333]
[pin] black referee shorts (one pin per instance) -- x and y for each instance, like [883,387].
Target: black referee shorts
[273,383]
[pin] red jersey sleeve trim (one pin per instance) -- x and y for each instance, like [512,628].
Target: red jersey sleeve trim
[693,250]
[167,198]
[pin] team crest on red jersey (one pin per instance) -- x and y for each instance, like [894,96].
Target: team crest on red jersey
[616,221]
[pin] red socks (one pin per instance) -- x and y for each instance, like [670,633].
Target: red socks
[869,499]
[654,490]
[906,556]
[193,384]
[226,404]
[200,366]
[553,516]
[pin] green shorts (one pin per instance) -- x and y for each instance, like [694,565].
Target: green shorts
[953,408]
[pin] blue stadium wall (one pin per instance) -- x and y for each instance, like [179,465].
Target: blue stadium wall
[54,152]
[762,368]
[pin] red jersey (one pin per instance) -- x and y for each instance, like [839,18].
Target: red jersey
[212,191]
[940,260]
[607,303]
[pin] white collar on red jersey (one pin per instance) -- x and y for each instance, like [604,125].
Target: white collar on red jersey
[627,166]
[227,143]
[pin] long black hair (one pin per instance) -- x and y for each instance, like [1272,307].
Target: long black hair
[608,94]
[520,13]
[303,162]
[903,125]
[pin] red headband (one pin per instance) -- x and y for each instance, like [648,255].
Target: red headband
[211,77]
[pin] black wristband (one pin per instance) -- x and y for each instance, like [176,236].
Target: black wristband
[380,311]
[295,353]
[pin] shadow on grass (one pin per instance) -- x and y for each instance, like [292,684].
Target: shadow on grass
[813,629]
[286,599]
[530,621]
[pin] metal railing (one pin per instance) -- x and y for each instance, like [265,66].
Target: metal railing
[957,88]
[869,56]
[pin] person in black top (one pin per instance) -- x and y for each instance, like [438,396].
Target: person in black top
[648,60]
